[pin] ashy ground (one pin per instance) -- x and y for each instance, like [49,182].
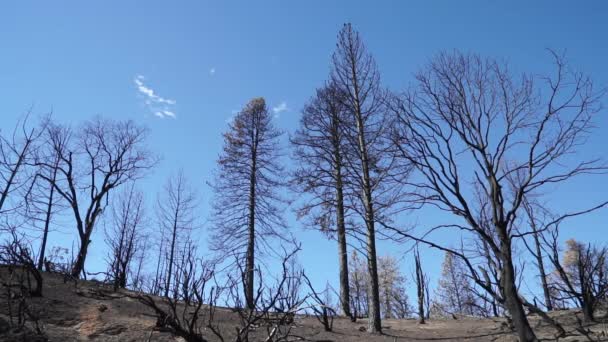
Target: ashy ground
[91,312]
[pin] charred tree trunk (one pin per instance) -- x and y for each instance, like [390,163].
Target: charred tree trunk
[343,254]
[171,254]
[420,288]
[81,257]
[47,219]
[511,296]
[542,272]
[250,262]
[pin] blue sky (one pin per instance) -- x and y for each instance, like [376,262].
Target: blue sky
[203,60]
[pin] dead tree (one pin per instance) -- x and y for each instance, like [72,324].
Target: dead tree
[193,317]
[392,288]
[41,202]
[533,209]
[176,217]
[246,209]
[266,299]
[369,164]
[421,288]
[454,291]
[582,274]
[320,306]
[319,149]
[16,152]
[359,286]
[124,237]
[100,157]
[469,120]
[188,317]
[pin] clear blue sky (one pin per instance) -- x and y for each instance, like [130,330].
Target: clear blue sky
[204,60]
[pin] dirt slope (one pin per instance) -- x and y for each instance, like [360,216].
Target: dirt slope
[90,312]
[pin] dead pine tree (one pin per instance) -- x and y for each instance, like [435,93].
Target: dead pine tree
[246,209]
[99,157]
[359,285]
[392,288]
[469,120]
[582,274]
[124,236]
[455,293]
[319,149]
[176,208]
[371,166]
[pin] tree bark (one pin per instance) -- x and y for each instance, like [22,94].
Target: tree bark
[341,227]
[172,253]
[542,273]
[420,288]
[14,172]
[250,266]
[512,301]
[82,255]
[47,220]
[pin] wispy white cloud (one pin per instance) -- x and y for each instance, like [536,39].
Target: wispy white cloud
[280,108]
[212,71]
[158,105]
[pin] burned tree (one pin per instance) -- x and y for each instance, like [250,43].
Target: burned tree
[176,218]
[124,237]
[455,293]
[370,165]
[533,210]
[359,286]
[319,148]
[41,201]
[246,211]
[16,152]
[421,288]
[394,302]
[581,275]
[98,158]
[469,120]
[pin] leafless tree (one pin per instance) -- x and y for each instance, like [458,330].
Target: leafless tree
[534,209]
[101,156]
[124,236]
[321,307]
[193,316]
[266,301]
[16,152]
[176,217]
[369,163]
[469,120]
[394,303]
[247,207]
[319,149]
[582,274]
[41,202]
[188,317]
[359,286]
[454,293]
